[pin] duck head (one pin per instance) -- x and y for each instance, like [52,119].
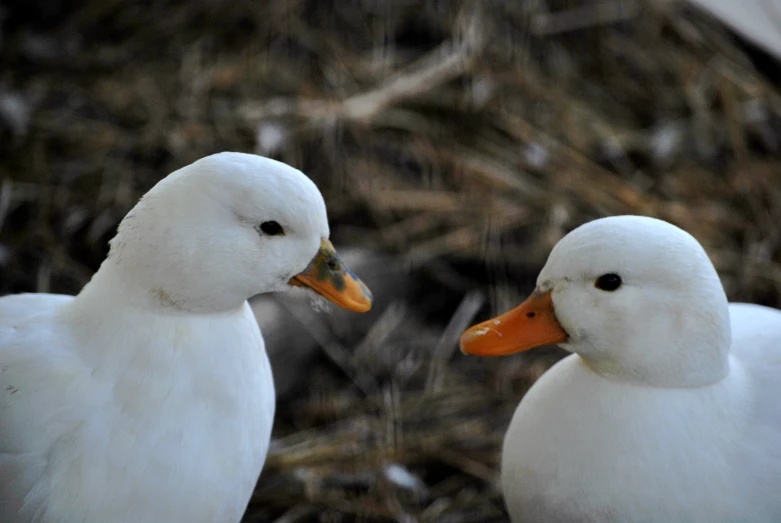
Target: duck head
[637,298]
[227,227]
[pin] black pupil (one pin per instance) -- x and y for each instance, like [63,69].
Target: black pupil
[608,282]
[271,228]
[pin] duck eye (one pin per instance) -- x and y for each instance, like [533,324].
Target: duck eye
[608,282]
[271,228]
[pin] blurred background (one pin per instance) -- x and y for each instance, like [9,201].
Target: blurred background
[454,141]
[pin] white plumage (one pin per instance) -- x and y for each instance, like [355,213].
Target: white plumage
[149,398]
[667,410]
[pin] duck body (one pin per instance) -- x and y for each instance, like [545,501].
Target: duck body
[149,397]
[666,410]
[582,447]
[177,431]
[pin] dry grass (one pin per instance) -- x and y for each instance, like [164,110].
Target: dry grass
[466,137]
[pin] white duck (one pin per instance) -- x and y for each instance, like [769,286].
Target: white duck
[148,397]
[668,410]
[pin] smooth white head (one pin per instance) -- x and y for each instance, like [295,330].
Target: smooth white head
[637,298]
[195,241]
[666,324]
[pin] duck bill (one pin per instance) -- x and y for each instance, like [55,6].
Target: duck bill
[329,277]
[532,324]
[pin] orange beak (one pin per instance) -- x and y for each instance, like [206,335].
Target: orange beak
[329,277]
[531,324]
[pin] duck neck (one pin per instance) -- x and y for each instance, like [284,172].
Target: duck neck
[672,376]
[126,328]
[663,351]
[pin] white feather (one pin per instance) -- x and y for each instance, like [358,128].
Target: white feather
[668,409]
[149,397]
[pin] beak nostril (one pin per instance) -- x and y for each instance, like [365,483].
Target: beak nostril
[333,265]
[530,315]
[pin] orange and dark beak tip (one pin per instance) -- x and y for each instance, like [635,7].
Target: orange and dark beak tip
[329,277]
[532,324]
